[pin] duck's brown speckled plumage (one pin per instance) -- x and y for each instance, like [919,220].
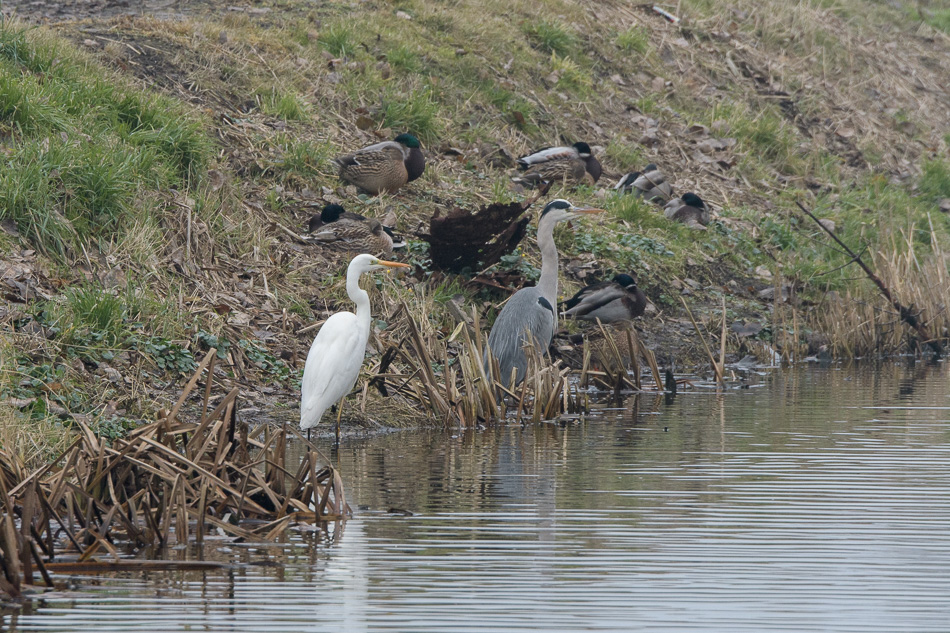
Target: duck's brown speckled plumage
[572,171]
[350,231]
[383,167]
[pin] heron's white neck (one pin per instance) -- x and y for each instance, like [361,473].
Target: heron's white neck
[547,283]
[359,297]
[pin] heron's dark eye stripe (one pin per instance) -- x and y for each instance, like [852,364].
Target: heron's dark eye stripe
[544,303]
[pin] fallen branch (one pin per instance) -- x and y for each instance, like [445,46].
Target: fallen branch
[907,314]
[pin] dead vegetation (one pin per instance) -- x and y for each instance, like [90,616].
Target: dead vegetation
[752,107]
[169,482]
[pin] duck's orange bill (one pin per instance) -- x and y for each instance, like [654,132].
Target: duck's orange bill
[383,262]
[586,210]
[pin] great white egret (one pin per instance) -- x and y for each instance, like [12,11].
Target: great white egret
[609,301]
[336,355]
[530,311]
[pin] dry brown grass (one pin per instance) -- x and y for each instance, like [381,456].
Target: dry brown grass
[862,323]
[168,482]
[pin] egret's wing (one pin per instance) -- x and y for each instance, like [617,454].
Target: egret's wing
[333,365]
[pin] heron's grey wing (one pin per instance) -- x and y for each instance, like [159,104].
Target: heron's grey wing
[596,298]
[527,312]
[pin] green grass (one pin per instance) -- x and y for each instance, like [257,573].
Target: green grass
[338,40]
[405,59]
[937,18]
[549,36]
[283,105]
[935,180]
[633,40]
[302,159]
[571,76]
[83,148]
[626,155]
[637,211]
[416,112]
[763,134]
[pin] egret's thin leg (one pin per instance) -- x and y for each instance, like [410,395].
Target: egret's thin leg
[339,414]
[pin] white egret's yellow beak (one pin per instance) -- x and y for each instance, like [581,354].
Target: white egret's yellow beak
[391,265]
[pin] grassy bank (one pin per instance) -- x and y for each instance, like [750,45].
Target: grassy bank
[155,170]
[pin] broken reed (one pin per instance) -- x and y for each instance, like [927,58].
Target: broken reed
[165,483]
[868,325]
[464,394]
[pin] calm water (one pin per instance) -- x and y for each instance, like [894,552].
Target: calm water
[817,500]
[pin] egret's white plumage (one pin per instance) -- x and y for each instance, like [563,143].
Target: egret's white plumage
[529,312]
[336,355]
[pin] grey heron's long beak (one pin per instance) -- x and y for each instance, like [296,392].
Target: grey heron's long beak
[588,210]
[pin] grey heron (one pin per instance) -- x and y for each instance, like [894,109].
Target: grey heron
[530,312]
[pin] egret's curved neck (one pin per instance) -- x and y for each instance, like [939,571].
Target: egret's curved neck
[360,298]
[547,283]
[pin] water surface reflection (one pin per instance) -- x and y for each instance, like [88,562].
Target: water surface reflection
[817,500]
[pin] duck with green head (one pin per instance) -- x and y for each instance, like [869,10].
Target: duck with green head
[383,167]
[573,165]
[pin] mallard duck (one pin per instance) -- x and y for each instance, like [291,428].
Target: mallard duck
[384,166]
[351,231]
[650,184]
[610,301]
[688,209]
[575,164]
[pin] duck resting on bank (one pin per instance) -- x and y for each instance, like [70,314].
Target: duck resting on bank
[688,209]
[352,231]
[650,184]
[572,165]
[610,301]
[383,167]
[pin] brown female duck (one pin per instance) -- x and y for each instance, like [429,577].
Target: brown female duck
[351,231]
